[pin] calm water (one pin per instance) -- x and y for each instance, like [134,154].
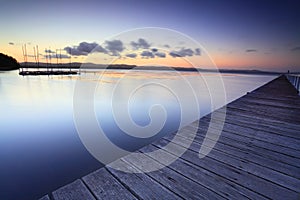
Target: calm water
[40,149]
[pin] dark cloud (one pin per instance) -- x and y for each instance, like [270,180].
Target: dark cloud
[140,44]
[160,54]
[296,49]
[62,56]
[11,43]
[84,48]
[131,55]
[147,54]
[182,53]
[74,51]
[174,54]
[100,49]
[197,52]
[251,50]
[49,51]
[114,47]
[167,46]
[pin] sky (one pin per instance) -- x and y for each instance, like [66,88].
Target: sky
[255,34]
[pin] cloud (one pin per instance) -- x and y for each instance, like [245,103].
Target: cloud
[197,52]
[250,50]
[11,43]
[100,49]
[62,56]
[84,48]
[174,54]
[182,53]
[131,55]
[160,54]
[74,51]
[49,51]
[114,47]
[140,44]
[295,49]
[147,54]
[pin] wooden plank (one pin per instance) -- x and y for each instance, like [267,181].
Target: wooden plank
[265,106]
[281,114]
[226,188]
[245,155]
[254,183]
[253,133]
[262,123]
[281,88]
[270,103]
[263,148]
[104,186]
[174,181]
[73,191]
[245,133]
[140,184]
[250,167]
[46,197]
[250,114]
[291,99]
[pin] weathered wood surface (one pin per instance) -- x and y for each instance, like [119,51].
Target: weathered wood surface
[257,156]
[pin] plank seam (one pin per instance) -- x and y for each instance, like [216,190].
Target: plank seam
[235,156]
[88,188]
[178,172]
[124,184]
[228,180]
[232,166]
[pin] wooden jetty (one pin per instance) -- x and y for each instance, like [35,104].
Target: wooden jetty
[47,73]
[256,157]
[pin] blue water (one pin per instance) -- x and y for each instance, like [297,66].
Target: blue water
[40,148]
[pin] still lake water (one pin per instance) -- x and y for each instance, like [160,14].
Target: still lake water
[40,149]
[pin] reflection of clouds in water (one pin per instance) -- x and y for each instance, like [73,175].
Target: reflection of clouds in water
[140,74]
[111,76]
[92,79]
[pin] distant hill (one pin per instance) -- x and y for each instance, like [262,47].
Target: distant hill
[8,63]
[76,65]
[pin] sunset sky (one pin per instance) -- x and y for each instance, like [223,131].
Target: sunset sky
[252,34]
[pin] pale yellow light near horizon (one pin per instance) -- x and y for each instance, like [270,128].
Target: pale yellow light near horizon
[239,60]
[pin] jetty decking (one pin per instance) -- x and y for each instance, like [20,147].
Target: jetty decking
[256,157]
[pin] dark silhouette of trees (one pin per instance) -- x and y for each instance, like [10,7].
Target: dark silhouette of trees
[8,62]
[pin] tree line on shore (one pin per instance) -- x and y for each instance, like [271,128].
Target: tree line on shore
[8,62]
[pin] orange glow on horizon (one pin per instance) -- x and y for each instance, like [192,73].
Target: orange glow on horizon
[240,60]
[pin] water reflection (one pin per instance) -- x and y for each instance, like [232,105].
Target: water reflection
[39,147]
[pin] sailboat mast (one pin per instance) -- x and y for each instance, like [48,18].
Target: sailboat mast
[25,56]
[35,56]
[38,58]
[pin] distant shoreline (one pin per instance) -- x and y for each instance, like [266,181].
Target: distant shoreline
[128,67]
